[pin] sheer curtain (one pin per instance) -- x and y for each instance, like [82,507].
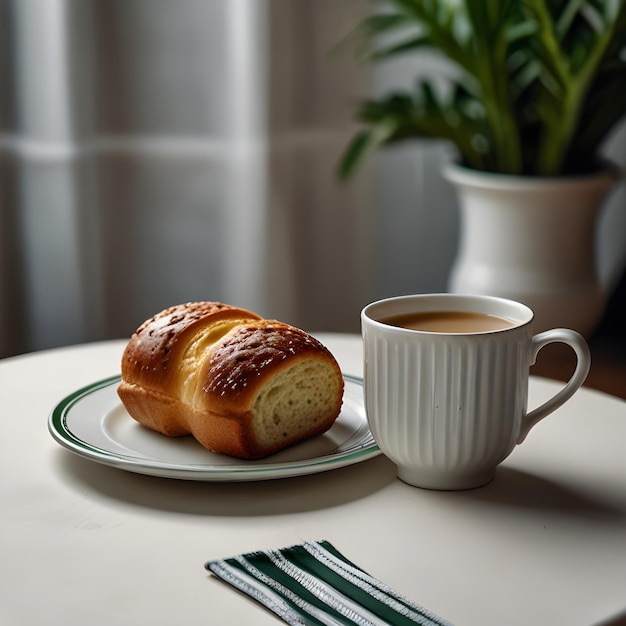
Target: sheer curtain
[159,151]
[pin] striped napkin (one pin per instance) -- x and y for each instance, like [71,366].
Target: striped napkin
[312,583]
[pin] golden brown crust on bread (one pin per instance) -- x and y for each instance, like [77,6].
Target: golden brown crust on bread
[152,355]
[238,363]
[241,385]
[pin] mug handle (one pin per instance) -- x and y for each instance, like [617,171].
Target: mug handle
[583,362]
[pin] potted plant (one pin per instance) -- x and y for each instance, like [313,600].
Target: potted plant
[534,88]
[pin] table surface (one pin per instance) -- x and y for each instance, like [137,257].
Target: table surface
[544,543]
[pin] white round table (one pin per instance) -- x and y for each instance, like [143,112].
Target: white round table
[85,543]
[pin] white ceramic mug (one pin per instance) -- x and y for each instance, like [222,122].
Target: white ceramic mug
[448,407]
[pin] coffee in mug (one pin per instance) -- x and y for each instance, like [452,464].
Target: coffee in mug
[449,321]
[446,383]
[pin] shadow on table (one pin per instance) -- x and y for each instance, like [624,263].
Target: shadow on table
[616,620]
[270,497]
[511,488]
[518,489]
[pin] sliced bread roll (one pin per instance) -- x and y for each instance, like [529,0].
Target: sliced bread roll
[241,385]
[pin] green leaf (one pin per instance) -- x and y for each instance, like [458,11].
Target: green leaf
[399,48]
[537,84]
[364,143]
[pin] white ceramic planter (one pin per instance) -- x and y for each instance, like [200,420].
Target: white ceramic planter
[532,240]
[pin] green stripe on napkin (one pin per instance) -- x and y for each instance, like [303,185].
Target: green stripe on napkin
[312,583]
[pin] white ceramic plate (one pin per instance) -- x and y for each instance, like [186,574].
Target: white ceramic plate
[93,423]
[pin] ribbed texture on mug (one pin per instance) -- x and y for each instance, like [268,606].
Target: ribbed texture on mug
[446,405]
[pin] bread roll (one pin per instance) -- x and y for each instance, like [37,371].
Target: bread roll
[241,385]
